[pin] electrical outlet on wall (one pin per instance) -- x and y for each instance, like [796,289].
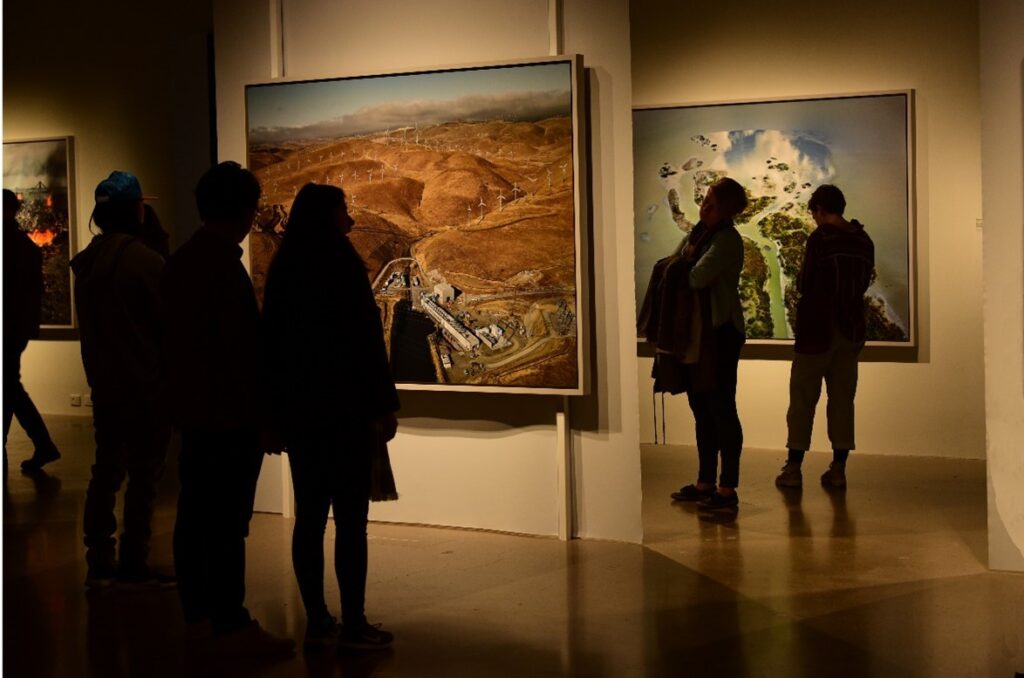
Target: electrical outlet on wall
[87,400]
[76,400]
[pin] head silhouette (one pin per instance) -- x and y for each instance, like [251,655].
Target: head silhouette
[319,212]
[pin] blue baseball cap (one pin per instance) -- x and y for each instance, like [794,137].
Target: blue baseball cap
[119,187]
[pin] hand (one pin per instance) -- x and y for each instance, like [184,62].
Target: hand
[389,426]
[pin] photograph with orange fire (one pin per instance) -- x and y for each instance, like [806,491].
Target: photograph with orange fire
[38,172]
[462,187]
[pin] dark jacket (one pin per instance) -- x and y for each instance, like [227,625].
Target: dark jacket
[325,351]
[213,339]
[120,321]
[23,284]
[838,267]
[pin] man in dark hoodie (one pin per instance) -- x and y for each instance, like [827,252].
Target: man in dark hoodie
[117,281]
[23,293]
[838,267]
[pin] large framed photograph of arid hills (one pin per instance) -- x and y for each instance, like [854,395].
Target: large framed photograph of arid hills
[41,173]
[465,188]
[780,151]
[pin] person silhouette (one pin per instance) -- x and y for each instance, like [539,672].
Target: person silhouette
[116,296]
[23,293]
[335,400]
[215,393]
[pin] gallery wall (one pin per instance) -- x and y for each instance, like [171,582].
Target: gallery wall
[1002,153]
[130,85]
[486,461]
[689,53]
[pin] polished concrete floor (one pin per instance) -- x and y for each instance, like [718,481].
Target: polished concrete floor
[886,579]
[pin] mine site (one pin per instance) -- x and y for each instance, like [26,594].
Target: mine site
[468,233]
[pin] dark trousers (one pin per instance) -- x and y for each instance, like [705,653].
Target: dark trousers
[718,423]
[17,402]
[219,470]
[131,441]
[332,468]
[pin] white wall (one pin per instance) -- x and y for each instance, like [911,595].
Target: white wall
[483,461]
[689,52]
[1002,94]
[129,84]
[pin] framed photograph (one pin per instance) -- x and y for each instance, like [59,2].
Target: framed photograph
[41,173]
[780,151]
[464,185]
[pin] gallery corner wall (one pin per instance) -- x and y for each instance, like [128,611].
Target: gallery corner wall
[129,83]
[1002,154]
[695,53]
[482,461]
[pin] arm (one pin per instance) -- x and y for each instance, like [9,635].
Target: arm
[726,249]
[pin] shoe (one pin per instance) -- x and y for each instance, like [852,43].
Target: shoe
[790,476]
[251,641]
[143,578]
[719,502]
[835,476]
[41,457]
[691,493]
[100,578]
[365,637]
[321,634]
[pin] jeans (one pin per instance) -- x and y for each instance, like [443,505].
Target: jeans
[17,402]
[219,471]
[332,468]
[130,441]
[714,412]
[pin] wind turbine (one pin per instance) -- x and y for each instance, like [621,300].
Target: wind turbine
[516,190]
[482,205]
[501,200]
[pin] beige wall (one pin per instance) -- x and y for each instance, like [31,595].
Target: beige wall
[483,461]
[1002,117]
[684,52]
[129,84]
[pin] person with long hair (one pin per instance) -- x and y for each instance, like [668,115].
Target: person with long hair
[713,253]
[335,401]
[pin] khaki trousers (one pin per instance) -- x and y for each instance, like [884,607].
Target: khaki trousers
[838,368]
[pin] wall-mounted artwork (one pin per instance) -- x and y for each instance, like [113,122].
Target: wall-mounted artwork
[780,151]
[465,192]
[41,173]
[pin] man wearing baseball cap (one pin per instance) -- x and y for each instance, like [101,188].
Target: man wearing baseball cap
[116,295]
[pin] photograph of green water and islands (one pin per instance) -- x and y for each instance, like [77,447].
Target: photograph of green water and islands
[780,151]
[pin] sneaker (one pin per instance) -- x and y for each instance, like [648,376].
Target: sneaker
[143,578]
[41,457]
[691,493]
[835,476]
[251,641]
[365,637]
[321,634]
[100,578]
[719,502]
[790,476]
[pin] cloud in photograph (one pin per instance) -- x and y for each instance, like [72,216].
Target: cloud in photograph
[523,106]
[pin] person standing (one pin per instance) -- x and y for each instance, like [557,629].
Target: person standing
[213,356]
[121,327]
[335,397]
[714,253]
[23,295]
[838,267]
